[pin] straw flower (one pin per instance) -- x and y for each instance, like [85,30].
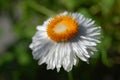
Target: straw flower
[64,39]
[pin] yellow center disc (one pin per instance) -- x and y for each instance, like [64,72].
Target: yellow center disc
[62,28]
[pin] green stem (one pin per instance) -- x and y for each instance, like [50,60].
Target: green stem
[70,76]
[41,9]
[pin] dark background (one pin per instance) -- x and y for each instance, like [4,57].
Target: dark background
[18,21]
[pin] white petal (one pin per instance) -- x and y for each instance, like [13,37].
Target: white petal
[41,28]
[90,23]
[93,30]
[42,50]
[88,43]
[92,48]
[82,47]
[67,63]
[93,34]
[39,34]
[57,57]
[47,22]
[31,46]
[79,53]
[90,39]
[64,13]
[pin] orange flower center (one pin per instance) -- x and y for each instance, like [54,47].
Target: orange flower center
[62,28]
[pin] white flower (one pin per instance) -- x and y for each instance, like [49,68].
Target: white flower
[61,40]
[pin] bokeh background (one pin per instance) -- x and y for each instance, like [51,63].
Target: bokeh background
[18,21]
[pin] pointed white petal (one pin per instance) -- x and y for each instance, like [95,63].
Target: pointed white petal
[90,39]
[41,28]
[79,53]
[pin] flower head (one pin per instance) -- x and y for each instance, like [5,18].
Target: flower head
[64,38]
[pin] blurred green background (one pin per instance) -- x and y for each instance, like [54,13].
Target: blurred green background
[18,21]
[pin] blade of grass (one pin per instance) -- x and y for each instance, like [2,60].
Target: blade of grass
[41,9]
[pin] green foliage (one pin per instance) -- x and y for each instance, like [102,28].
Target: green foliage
[16,63]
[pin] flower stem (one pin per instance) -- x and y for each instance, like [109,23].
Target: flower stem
[41,9]
[70,76]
